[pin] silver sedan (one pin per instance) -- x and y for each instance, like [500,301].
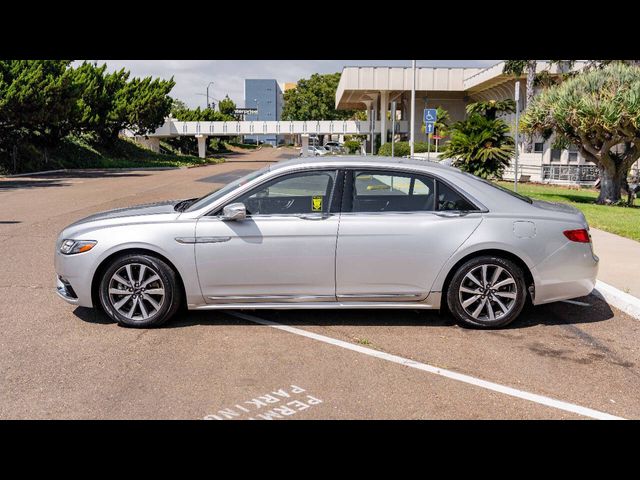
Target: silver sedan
[363,232]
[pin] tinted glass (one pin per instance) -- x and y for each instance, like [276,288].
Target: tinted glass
[217,194]
[449,199]
[392,192]
[293,194]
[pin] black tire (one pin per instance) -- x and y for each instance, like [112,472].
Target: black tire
[517,289]
[168,281]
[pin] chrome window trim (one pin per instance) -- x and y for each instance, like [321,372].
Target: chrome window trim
[275,215]
[231,196]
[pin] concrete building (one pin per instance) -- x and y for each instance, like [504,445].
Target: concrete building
[374,88]
[266,96]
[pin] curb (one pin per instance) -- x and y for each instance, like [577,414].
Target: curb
[33,173]
[80,170]
[619,299]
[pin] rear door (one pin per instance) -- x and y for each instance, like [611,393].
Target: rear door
[396,231]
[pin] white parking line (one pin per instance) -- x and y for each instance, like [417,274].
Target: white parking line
[514,392]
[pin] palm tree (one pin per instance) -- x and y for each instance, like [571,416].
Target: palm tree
[492,108]
[480,146]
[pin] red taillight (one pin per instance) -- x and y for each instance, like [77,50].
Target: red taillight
[581,235]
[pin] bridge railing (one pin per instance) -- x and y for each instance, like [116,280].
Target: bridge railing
[175,128]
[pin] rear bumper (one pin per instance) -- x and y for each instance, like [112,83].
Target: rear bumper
[570,272]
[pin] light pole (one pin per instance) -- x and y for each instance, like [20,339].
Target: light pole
[393,126]
[413,106]
[515,171]
[257,118]
[208,103]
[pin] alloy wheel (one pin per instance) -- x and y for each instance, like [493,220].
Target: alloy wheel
[136,291]
[488,292]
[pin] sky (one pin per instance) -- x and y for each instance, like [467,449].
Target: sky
[193,76]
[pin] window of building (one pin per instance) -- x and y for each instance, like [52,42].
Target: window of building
[538,147]
[573,153]
[555,154]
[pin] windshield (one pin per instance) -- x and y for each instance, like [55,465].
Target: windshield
[524,198]
[216,194]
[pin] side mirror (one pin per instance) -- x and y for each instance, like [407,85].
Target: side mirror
[234,212]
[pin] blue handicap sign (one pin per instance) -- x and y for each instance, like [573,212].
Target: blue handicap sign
[430,114]
[430,127]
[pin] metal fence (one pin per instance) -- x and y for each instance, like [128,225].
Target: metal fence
[570,173]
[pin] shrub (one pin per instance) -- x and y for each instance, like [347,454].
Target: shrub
[402,149]
[352,146]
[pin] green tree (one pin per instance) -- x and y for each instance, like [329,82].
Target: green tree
[111,102]
[178,107]
[38,101]
[140,106]
[599,112]
[98,92]
[227,106]
[199,114]
[314,99]
[480,146]
[491,109]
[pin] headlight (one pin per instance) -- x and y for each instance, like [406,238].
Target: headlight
[69,247]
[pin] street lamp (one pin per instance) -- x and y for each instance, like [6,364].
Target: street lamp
[208,104]
[257,118]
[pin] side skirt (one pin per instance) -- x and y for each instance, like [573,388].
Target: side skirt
[432,302]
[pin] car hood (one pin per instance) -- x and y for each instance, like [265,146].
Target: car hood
[146,209]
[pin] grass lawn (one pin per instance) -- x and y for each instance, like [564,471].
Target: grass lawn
[624,221]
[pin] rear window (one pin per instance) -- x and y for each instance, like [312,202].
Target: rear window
[524,198]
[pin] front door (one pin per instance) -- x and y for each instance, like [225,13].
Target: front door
[284,251]
[396,231]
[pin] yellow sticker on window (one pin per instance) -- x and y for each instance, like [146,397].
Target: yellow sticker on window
[316,204]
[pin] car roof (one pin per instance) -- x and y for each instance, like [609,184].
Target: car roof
[477,190]
[373,160]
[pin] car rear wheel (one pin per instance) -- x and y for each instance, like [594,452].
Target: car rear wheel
[140,291]
[487,292]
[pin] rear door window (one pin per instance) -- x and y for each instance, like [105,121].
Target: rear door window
[380,191]
[449,199]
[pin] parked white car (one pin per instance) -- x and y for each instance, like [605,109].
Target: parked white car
[412,234]
[312,150]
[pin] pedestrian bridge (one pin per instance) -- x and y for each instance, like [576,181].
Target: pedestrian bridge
[203,130]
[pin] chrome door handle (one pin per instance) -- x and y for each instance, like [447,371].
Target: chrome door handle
[314,216]
[450,214]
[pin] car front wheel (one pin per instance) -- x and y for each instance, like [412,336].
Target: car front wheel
[487,292]
[140,291]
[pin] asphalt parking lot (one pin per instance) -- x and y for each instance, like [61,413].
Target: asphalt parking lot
[563,360]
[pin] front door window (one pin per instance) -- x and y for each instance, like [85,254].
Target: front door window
[295,194]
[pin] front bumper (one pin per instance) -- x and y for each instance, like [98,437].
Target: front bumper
[66,291]
[74,274]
